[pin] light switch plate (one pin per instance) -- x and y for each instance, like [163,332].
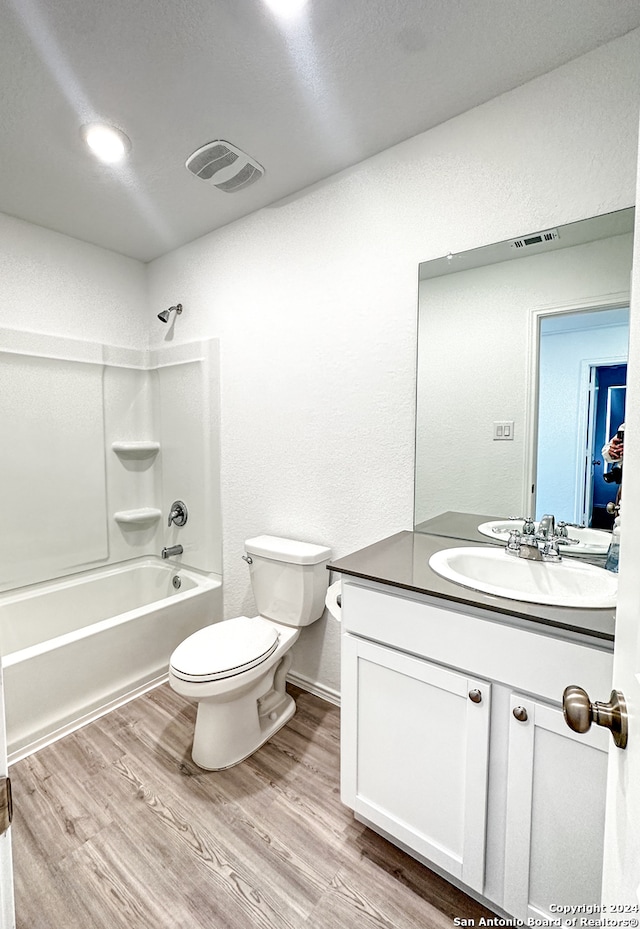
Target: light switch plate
[503,431]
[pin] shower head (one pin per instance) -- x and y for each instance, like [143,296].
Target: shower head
[164,316]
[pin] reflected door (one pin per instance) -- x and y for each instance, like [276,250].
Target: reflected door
[609,405]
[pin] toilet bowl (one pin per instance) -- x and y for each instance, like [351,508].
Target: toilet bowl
[236,669]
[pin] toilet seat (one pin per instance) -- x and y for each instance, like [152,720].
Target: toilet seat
[224,649]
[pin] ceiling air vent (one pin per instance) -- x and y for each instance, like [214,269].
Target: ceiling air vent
[225,166]
[538,238]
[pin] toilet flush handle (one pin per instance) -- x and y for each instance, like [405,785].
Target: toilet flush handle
[248,559]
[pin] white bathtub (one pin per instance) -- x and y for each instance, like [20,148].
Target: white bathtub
[74,648]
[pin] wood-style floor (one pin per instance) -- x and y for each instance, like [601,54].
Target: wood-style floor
[116,827]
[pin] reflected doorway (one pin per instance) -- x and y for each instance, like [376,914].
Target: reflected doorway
[607,401]
[575,349]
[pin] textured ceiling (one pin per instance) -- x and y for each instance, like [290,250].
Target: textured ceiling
[306,98]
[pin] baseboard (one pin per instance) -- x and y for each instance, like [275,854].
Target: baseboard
[85,719]
[313,687]
[299,680]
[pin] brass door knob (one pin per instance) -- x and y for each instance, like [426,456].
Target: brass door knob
[520,714]
[579,713]
[475,696]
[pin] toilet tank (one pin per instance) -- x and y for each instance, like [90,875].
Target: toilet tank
[289,579]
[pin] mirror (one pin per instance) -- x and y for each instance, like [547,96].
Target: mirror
[513,339]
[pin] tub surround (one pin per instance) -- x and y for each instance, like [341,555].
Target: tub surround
[402,561]
[120,433]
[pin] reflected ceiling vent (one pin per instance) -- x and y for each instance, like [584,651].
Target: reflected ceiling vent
[225,166]
[538,238]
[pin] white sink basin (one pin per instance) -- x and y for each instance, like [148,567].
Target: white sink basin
[493,571]
[589,541]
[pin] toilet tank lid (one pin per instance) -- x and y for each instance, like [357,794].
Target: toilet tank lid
[271,546]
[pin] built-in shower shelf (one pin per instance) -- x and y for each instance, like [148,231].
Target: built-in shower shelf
[140,517]
[135,449]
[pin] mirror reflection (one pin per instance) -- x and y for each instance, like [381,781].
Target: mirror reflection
[522,351]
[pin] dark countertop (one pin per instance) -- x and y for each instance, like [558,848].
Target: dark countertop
[402,561]
[452,525]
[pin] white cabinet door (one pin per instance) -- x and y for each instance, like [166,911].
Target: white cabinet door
[415,754]
[555,812]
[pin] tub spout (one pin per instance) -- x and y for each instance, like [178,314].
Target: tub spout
[172,550]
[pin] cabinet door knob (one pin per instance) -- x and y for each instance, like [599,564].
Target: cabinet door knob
[475,696]
[579,713]
[520,714]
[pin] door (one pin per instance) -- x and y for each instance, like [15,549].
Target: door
[395,761]
[7,912]
[621,874]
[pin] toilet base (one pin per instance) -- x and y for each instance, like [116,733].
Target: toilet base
[229,732]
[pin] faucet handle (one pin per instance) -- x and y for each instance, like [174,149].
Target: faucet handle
[513,542]
[178,513]
[551,549]
[563,525]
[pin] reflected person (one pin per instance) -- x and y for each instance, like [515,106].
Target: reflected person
[613,452]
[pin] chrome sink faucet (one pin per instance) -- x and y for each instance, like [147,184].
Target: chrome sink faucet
[553,534]
[533,547]
[523,546]
[547,526]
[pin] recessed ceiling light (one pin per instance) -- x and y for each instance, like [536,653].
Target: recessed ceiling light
[286,8]
[107,143]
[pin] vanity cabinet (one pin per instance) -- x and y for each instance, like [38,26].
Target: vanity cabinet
[455,748]
[416,749]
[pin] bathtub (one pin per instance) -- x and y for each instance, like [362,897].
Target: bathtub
[74,648]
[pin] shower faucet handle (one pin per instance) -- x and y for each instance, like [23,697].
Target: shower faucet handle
[178,514]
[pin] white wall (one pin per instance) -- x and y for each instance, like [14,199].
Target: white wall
[58,285]
[314,301]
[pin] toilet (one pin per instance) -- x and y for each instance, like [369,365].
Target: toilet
[237,669]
